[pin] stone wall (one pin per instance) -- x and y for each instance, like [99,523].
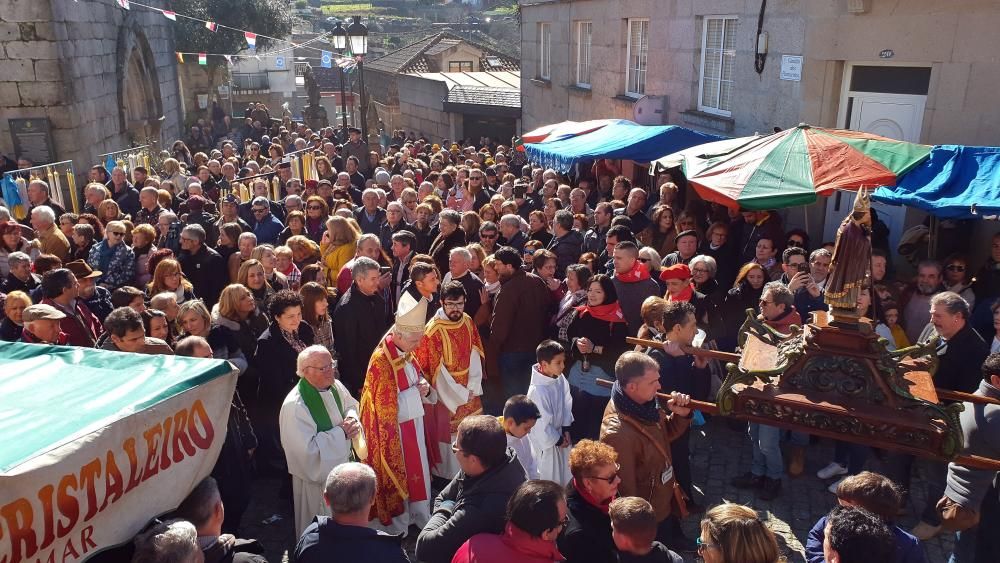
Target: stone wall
[69,62]
[421,109]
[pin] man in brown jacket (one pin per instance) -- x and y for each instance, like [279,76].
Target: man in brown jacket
[640,431]
[520,317]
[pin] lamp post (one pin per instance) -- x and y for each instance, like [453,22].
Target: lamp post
[339,44]
[357,34]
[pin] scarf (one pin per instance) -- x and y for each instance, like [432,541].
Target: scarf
[293,340]
[609,312]
[648,412]
[492,288]
[315,406]
[685,295]
[638,273]
[604,506]
[105,253]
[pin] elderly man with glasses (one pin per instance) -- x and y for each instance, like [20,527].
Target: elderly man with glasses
[318,425]
[203,266]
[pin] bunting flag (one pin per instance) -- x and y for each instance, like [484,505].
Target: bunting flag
[123,4]
[229,58]
[180,58]
[251,39]
[326,59]
[211,26]
[170,15]
[202,59]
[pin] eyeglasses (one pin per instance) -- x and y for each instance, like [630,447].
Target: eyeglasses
[259,211]
[765,302]
[644,260]
[699,271]
[328,367]
[796,243]
[955,268]
[117,233]
[314,208]
[702,545]
[611,478]
[453,304]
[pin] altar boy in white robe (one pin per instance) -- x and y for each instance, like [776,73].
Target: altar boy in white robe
[318,420]
[549,390]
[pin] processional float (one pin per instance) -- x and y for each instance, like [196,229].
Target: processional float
[836,378]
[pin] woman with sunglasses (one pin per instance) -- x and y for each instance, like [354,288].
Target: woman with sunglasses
[594,466]
[113,257]
[733,533]
[957,278]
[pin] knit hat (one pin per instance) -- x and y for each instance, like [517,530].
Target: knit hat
[381,177]
[676,272]
[687,233]
[196,203]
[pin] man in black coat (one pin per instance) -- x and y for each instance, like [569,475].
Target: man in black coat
[567,244]
[359,323]
[345,536]
[476,499]
[203,267]
[204,509]
[124,194]
[450,235]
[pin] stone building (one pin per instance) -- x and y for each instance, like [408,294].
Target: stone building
[920,70]
[99,76]
[443,52]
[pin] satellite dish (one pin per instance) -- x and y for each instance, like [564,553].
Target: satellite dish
[648,110]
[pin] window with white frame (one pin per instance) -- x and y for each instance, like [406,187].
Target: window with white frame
[545,51]
[583,35]
[718,56]
[638,47]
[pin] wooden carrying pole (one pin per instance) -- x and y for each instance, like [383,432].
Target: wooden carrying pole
[973,461]
[944,394]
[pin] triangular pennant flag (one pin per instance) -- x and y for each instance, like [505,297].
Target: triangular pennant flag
[123,4]
[211,26]
[251,39]
[169,15]
[229,58]
[180,58]
[203,59]
[326,59]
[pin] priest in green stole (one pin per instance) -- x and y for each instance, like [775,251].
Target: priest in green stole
[318,419]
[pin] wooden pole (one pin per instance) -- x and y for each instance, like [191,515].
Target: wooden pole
[973,461]
[735,358]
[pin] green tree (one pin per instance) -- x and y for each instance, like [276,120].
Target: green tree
[263,17]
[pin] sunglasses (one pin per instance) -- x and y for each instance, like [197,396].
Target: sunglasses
[611,478]
[260,210]
[644,260]
[117,233]
[955,268]
[488,237]
[314,208]
[765,302]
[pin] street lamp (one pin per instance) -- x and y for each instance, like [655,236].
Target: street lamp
[357,34]
[339,44]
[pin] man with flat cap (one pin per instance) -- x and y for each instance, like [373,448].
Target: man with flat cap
[42,325]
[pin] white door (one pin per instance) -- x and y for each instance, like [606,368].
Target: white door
[896,116]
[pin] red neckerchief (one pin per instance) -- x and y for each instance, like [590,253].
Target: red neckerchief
[684,295]
[603,506]
[638,273]
[609,312]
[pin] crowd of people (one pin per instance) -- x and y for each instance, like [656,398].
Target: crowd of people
[390,309]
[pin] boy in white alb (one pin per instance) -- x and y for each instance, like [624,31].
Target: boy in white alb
[519,417]
[549,390]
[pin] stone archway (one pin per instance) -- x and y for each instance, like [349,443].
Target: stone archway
[140,105]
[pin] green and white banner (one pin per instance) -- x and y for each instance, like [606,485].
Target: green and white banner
[93,444]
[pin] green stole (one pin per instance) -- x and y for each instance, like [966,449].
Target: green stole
[317,409]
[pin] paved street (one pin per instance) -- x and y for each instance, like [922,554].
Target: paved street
[719,453]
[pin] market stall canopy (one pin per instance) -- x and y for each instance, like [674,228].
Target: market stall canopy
[955,182]
[700,154]
[564,130]
[619,140]
[795,166]
[120,437]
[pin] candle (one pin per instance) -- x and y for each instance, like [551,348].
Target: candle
[55,185]
[275,189]
[71,182]
[145,162]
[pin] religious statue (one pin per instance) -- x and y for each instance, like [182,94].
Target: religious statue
[850,268]
[314,113]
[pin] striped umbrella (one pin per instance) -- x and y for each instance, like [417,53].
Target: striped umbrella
[795,166]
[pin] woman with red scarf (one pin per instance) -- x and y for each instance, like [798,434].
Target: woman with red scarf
[597,338]
[594,466]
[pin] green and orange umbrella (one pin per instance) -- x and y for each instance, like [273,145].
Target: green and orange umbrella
[795,166]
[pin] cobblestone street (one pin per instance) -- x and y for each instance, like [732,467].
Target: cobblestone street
[718,454]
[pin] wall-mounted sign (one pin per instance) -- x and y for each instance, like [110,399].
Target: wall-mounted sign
[279,62]
[886,54]
[791,68]
[33,139]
